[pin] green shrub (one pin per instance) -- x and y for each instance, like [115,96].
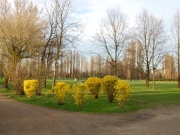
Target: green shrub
[123,92]
[47,93]
[79,94]
[108,86]
[30,87]
[61,89]
[93,85]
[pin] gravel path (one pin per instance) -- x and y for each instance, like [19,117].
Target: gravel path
[18,118]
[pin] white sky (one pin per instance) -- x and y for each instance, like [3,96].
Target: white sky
[92,11]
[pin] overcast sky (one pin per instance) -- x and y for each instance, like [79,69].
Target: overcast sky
[93,10]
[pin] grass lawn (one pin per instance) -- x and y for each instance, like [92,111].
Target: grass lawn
[165,94]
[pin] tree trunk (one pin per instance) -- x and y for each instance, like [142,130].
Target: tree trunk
[6,79]
[115,72]
[38,91]
[45,82]
[147,80]
[115,69]
[45,75]
[19,89]
[54,75]
[147,75]
[40,78]
[178,80]
[178,64]
[19,92]
[153,79]
[110,98]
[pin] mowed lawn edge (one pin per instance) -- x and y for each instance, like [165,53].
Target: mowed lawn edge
[165,94]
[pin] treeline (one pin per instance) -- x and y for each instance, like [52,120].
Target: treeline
[41,44]
[76,65]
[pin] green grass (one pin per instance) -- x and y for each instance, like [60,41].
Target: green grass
[165,94]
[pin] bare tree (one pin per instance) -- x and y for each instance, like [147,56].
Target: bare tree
[149,31]
[21,34]
[139,61]
[99,66]
[64,29]
[169,67]
[92,66]
[176,35]
[112,36]
[5,7]
[131,54]
[82,67]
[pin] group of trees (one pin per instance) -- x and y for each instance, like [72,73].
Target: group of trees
[148,35]
[75,65]
[20,38]
[27,35]
[39,43]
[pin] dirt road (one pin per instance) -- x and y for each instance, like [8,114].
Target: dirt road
[23,119]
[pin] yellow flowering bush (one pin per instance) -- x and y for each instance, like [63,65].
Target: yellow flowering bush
[107,85]
[93,85]
[123,94]
[61,89]
[79,94]
[30,87]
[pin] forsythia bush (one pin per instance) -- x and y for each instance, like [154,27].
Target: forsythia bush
[61,89]
[79,94]
[123,94]
[30,87]
[108,83]
[93,85]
